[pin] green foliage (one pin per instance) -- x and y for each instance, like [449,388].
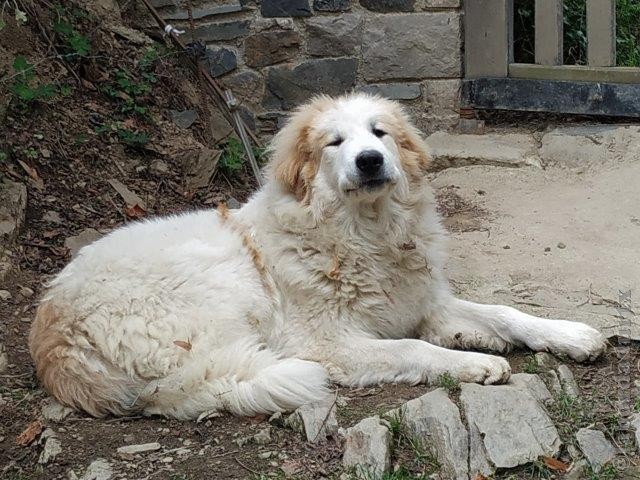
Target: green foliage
[608,472]
[23,88]
[448,382]
[131,138]
[130,91]
[232,159]
[531,365]
[636,405]
[575,32]
[74,43]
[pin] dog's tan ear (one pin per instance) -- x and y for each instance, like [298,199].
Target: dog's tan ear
[414,153]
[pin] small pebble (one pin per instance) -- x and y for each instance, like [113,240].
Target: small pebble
[547,249]
[506,247]
[561,245]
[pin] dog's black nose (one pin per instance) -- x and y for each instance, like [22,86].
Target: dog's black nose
[369,162]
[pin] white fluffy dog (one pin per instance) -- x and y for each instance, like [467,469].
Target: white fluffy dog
[332,271]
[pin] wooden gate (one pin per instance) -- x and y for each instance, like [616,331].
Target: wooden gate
[494,81]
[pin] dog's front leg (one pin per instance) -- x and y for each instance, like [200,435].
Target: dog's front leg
[463,324]
[366,361]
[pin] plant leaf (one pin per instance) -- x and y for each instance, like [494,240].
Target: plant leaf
[555,464]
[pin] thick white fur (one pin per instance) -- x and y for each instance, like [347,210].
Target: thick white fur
[176,316]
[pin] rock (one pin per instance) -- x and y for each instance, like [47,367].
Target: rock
[335,36]
[367,448]
[270,47]
[54,411]
[263,437]
[13,204]
[247,86]
[589,146]
[579,471]
[394,91]
[421,45]
[220,128]
[134,36]
[130,198]
[470,126]
[5,295]
[234,204]
[139,448]
[26,292]
[199,167]
[331,5]
[510,149]
[84,238]
[219,61]
[635,423]
[184,118]
[436,419]
[202,12]
[289,87]
[508,425]
[551,378]
[4,359]
[316,420]
[99,469]
[285,8]
[545,361]
[52,446]
[386,6]
[275,419]
[567,381]
[595,447]
[217,32]
[52,217]
[159,167]
[534,384]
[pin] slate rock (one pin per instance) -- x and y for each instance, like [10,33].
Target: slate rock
[567,381]
[545,360]
[247,86]
[316,420]
[139,448]
[394,91]
[386,6]
[534,384]
[13,204]
[508,424]
[219,61]
[270,47]
[4,359]
[367,448]
[435,419]
[184,118]
[52,217]
[335,36]
[84,238]
[207,10]
[52,410]
[99,469]
[285,8]
[52,447]
[421,45]
[288,87]
[216,32]
[595,447]
[331,5]
[635,423]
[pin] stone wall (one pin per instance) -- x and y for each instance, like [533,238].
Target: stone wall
[275,54]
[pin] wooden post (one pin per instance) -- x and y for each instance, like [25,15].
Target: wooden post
[488,34]
[601,33]
[549,16]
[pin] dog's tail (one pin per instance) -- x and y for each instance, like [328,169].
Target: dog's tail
[243,378]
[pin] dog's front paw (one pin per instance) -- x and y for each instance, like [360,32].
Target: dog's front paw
[474,367]
[578,341]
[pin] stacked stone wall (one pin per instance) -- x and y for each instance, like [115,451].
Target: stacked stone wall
[276,54]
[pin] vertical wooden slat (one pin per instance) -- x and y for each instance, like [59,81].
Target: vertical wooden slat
[601,33]
[549,14]
[488,32]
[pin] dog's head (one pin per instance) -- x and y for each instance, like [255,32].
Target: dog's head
[359,146]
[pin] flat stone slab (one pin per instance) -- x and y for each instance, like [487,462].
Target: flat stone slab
[13,203]
[456,150]
[595,447]
[435,419]
[316,420]
[508,425]
[635,423]
[368,448]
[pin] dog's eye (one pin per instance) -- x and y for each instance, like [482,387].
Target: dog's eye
[336,142]
[378,133]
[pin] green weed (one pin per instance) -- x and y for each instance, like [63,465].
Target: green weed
[531,365]
[23,88]
[448,382]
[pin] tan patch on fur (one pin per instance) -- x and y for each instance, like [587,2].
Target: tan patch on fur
[334,273]
[296,156]
[223,210]
[64,376]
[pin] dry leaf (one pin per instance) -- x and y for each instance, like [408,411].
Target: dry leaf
[30,433]
[135,211]
[130,198]
[555,464]
[334,274]
[479,476]
[184,345]
[33,174]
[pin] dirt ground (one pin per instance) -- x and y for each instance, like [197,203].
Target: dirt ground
[100,127]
